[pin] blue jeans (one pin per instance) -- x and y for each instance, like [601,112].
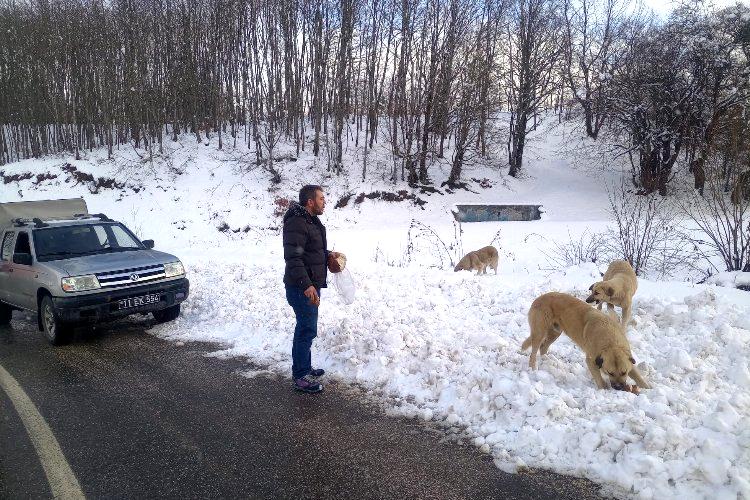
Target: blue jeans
[305,331]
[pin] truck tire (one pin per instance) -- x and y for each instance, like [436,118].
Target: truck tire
[168,314]
[55,331]
[5,313]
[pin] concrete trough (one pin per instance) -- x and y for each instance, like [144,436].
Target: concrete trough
[487,213]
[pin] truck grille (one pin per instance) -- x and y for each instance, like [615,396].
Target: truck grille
[130,276]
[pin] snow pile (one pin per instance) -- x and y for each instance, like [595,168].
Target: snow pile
[444,346]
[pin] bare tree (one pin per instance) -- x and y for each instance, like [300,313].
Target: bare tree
[341,99]
[721,81]
[533,53]
[593,48]
[649,102]
[722,221]
[453,34]
[676,81]
[645,232]
[468,113]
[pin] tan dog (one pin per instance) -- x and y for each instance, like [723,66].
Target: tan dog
[478,260]
[600,337]
[617,289]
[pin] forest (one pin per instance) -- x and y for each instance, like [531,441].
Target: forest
[424,79]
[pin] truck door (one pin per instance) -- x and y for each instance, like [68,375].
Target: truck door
[6,252]
[23,277]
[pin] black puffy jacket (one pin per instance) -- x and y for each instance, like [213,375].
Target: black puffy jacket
[304,248]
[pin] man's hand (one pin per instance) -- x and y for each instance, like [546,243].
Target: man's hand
[312,294]
[333,264]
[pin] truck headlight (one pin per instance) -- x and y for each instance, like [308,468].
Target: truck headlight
[174,269]
[80,283]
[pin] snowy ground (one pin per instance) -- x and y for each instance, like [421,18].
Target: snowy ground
[445,346]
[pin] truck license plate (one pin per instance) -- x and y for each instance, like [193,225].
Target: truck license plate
[143,300]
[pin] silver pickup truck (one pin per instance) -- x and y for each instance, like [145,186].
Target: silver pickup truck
[70,267]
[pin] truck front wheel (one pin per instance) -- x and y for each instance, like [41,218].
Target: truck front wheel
[56,332]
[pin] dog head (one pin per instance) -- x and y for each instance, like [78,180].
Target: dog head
[617,364]
[600,292]
[463,265]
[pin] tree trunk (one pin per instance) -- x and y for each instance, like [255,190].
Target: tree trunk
[518,145]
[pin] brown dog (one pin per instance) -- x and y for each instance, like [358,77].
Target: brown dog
[599,336]
[478,260]
[617,289]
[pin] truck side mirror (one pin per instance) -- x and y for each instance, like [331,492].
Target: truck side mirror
[148,244]
[23,258]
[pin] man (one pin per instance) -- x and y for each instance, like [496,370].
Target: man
[305,275]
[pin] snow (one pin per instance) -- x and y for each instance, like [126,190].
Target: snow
[443,346]
[730,279]
[446,346]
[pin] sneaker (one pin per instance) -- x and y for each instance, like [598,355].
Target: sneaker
[317,372]
[307,384]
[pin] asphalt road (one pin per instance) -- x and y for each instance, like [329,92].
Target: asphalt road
[138,417]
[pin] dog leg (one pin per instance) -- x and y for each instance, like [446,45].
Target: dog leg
[552,335]
[639,380]
[596,373]
[599,305]
[536,342]
[526,343]
[625,316]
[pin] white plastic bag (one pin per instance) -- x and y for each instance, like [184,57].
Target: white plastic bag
[344,284]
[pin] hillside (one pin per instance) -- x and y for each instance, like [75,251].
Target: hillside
[431,343]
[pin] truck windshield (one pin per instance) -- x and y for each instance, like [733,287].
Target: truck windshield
[64,242]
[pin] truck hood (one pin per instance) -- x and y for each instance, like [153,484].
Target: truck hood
[93,264]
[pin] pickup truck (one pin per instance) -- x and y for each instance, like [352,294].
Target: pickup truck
[69,267]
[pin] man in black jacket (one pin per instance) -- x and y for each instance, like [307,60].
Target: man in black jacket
[305,275]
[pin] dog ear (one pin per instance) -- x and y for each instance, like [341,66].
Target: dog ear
[632,360]
[610,291]
[591,287]
[599,361]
